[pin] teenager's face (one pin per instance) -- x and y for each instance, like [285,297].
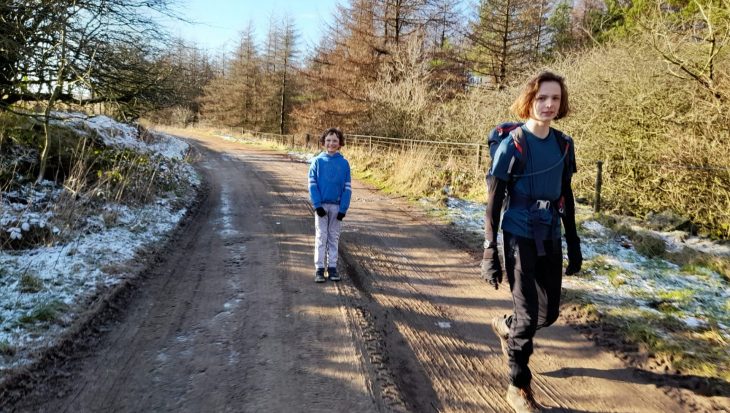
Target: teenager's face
[546,104]
[331,143]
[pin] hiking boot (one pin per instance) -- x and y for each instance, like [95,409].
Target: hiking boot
[500,328]
[332,273]
[319,275]
[522,400]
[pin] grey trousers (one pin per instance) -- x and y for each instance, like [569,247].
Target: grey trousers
[327,237]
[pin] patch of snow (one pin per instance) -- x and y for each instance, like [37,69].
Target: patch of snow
[693,322]
[83,261]
[444,324]
[677,240]
[303,156]
[595,228]
[121,135]
[168,146]
[634,280]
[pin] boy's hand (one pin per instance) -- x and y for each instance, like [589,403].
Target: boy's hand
[321,212]
[340,215]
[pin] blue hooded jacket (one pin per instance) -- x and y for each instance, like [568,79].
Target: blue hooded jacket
[329,181]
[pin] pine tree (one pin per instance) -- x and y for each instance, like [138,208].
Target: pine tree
[504,39]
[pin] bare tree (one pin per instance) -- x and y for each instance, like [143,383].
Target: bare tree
[70,51]
[47,38]
[693,40]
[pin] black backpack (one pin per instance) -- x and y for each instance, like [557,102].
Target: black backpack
[513,129]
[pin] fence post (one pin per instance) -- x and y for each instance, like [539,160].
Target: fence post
[479,156]
[370,143]
[599,182]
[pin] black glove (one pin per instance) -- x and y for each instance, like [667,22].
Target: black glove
[575,258]
[492,267]
[340,215]
[321,212]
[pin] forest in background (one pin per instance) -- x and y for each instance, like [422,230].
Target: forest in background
[648,81]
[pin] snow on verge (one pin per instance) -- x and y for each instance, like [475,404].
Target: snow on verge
[58,279]
[700,297]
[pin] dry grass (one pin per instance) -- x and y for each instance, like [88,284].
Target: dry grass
[418,172]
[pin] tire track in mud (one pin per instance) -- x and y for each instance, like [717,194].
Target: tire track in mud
[453,365]
[289,200]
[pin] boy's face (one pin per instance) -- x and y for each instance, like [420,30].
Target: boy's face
[331,143]
[546,105]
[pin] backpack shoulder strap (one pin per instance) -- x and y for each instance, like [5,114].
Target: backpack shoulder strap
[569,168]
[566,146]
[517,164]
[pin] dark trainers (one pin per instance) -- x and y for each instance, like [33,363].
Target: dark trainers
[332,273]
[523,400]
[500,328]
[319,275]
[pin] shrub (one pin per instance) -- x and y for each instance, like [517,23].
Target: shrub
[30,283]
[45,312]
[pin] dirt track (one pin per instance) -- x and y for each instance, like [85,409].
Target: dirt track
[230,319]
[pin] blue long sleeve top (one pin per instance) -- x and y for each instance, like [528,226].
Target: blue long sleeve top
[329,181]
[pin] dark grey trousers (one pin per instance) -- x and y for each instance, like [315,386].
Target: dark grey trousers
[535,283]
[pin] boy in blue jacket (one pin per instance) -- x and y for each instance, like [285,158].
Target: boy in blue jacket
[330,191]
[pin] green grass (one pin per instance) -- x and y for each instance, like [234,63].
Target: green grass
[667,338]
[30,283]
[600,266]
[677,296]
[694,262]
[45,312]
[661,334]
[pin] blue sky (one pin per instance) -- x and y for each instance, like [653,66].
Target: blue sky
[221,21]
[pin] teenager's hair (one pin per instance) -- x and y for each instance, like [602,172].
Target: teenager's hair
[333,131]
[523,104]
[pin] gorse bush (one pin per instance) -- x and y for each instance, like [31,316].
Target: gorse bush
[660,137]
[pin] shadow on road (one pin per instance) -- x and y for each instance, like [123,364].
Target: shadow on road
[703,386]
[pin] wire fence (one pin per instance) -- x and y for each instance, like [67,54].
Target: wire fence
[476,151]
[479,152]
[475,154]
